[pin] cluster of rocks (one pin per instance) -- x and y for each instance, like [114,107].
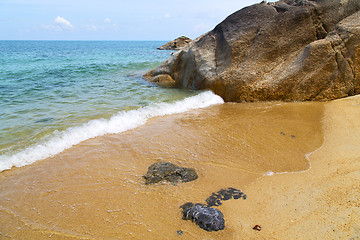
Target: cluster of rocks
[206,217]
[291,50]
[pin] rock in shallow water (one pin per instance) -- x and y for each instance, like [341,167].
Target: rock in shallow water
[161,171]
[209,219]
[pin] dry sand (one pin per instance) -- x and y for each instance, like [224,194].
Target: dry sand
[95,189]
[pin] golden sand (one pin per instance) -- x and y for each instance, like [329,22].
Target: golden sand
[322,203]
[95,190]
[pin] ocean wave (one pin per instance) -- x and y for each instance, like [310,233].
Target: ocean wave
[122,121]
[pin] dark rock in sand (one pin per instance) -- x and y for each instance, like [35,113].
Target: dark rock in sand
[161,171]
[292,50]
[209,219]
[176,44]
[223,195]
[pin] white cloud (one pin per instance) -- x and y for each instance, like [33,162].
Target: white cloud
[63,23]
[60,24]
[107,20]
[100,25]
[167,15]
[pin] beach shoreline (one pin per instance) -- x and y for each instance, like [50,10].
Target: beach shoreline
[320,203]
[66,197]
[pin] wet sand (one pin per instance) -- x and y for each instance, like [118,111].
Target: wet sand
[95,190]
[322,203]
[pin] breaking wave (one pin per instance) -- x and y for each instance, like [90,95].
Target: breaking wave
[120,122]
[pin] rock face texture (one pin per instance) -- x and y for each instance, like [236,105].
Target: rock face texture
[165,171]
[176,44]
[291,50]
[207,218]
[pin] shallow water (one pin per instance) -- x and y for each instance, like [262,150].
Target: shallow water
[47,88]
[95,190]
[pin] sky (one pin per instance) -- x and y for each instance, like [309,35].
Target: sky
[112,19]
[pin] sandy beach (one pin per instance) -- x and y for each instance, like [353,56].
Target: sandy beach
[321,203]
[95,190]
[249,131]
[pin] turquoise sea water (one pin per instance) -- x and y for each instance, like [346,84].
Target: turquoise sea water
[55,94]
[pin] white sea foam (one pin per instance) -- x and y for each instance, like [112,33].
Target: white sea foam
[307,156]
[122,121]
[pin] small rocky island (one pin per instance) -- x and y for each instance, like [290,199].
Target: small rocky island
[176,44]
[290,50]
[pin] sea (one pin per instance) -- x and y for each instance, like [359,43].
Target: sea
[56,94]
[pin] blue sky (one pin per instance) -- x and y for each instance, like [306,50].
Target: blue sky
[112,19]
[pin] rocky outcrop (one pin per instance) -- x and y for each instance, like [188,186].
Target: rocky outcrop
[176,44]
[292,50]
[165,171]
[207,218]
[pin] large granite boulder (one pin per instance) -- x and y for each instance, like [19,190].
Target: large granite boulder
[292,50]
[175,44]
